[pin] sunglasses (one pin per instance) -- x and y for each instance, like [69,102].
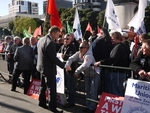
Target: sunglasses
[66,39]
[82,47]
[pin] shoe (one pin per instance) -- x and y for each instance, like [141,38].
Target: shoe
[56,111]
[13,90]
[68,105]
[85,110]
[9,81]
[43,106]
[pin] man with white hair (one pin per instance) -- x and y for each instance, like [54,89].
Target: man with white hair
[10,61]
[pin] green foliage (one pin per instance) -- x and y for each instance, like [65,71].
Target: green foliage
[66,14]
[24,22]
[46,24]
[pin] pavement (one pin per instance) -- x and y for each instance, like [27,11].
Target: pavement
[17,102]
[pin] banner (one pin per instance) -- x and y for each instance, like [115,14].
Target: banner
[77,26]
[137,97]
[109,103]
[60,77]
[69,28]
[89,28]
[111,16]
[54,15]
[137,20]
[34,89]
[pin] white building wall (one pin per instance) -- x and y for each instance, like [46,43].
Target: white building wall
[125,12]
[14,8]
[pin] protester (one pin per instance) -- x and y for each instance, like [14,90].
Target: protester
[46,65]
[101,48]
[33,43]
[119,56]
[92,78]
[67,50]
[23,58]
[17,43]
[92,37]
[141,63]
[74,41]
[10,61]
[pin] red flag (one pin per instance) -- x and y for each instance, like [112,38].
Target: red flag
[37,32]
[89,28]
[98,30]
[53,12]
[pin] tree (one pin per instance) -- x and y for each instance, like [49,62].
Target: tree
[19,23]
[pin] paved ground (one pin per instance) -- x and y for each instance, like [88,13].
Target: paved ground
[17,102]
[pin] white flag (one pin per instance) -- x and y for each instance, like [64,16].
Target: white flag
[137,20]
[111,16]
[142,29]
[77,26]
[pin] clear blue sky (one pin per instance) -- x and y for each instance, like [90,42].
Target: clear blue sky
[4,6]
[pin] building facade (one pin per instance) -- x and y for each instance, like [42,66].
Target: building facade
[59,4]
[95,5]
[23,7]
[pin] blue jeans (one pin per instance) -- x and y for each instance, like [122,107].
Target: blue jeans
[114,83]
[92,90]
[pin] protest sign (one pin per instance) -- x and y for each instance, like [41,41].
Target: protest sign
[60,77]
[137,97]
[34,89]
[109,103]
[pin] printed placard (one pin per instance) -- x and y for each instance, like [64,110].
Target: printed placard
[109,103]
[34,89]
[137,97]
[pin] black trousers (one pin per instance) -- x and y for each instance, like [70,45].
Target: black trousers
[50,83]
[26,75]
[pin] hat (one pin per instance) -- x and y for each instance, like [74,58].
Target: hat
[124,34]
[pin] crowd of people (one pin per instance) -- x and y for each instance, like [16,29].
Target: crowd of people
[37,59]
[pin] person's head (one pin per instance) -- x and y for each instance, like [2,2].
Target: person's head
[83,48]
[146,47]
[143,37]
[17,40]
[33,40]
[26,41]
[131,29]
[72,36]
[67,39]
[8,39]
[94,33]
[54,32]
[105,33]
[116,37]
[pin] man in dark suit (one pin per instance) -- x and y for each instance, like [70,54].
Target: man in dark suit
[46,65]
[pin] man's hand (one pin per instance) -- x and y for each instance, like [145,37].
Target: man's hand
[68,68]
[97,64]
[148,76]
[142,73]
[76,75]
[62,56]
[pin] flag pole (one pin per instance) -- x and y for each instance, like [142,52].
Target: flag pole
[104,22]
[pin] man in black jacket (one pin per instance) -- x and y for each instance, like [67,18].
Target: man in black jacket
[46,65]
[119,56]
